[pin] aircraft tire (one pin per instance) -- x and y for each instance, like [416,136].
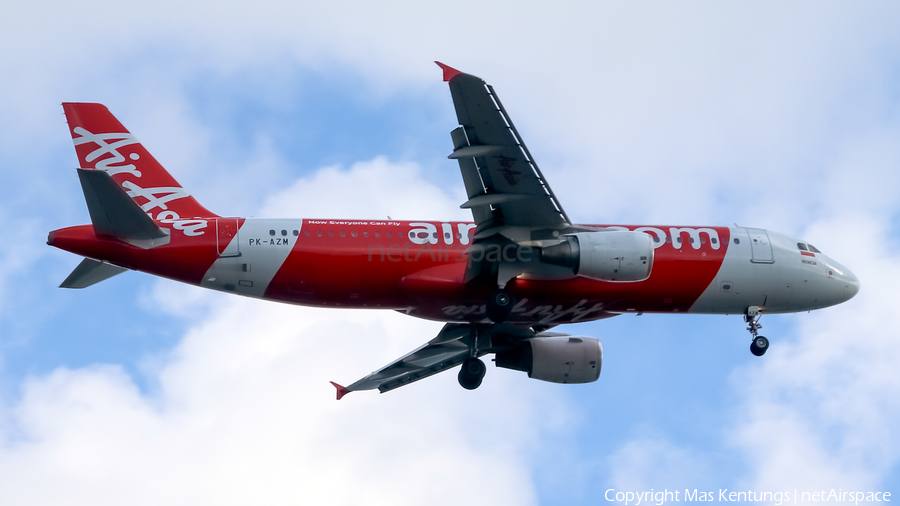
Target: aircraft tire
[499,306]
[471,373]
[759,346]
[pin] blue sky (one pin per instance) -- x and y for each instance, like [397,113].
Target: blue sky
[141,390]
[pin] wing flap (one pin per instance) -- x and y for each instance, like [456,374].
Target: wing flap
[490,199]
[470,151]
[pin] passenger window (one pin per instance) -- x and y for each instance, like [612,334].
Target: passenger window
[343,234]
[353,233]
[714,240]
[389,234]
[813,248]
[271,232]
[423,235]
[737,241]
[306,233]
[331,233]
[284,233]
[318,233]
[802,246]
[297,232]
[446,235]
[377,234]
[365,234]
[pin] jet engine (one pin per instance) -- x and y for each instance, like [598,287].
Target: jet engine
[605,256]
[557,358]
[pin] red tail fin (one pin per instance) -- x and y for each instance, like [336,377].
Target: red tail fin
[102,143]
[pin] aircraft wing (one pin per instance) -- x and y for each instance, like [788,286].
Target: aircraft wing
[447,350]
[507,193]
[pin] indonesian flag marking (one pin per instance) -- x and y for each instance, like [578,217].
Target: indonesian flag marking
[807,253]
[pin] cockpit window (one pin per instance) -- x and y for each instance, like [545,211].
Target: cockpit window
[813,248]
[802,246]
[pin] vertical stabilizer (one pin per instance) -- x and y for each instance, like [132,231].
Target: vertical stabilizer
[102,143]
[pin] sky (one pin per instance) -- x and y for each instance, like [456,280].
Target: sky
[138,390]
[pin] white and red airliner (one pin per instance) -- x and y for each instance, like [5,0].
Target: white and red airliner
[499,283]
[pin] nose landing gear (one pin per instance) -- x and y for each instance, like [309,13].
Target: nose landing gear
[760,344]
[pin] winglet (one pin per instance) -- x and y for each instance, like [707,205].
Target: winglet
[341,391]
[449,72]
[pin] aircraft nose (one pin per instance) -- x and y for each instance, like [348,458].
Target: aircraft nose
[851,285]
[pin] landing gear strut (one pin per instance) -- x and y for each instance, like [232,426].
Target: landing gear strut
[473,369]
[760,344]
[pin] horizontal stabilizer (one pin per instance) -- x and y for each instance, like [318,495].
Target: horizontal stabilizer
[90,272]
[115,214]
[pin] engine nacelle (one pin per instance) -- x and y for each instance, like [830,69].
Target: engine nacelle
[557,358]
[606,256]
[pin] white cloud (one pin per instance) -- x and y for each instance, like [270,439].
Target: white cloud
[241,410]
[648,462]
[823,411]
[244,413]
[819,411]
[771,115]
[373,189]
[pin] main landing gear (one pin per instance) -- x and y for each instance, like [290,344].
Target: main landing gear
[473,369]
[760,344]
[471,373]
[498,308]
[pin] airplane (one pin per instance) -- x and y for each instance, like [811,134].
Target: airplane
[500,284]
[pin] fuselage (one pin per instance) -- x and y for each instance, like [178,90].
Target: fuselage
[500,282]
[418,267]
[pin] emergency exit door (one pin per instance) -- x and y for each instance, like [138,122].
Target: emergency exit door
[760,246]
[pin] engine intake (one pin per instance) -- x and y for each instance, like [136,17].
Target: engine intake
[605,256]
[558,358]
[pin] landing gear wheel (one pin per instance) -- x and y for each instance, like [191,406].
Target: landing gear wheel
[759,346]
[471,373]
[499,306]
